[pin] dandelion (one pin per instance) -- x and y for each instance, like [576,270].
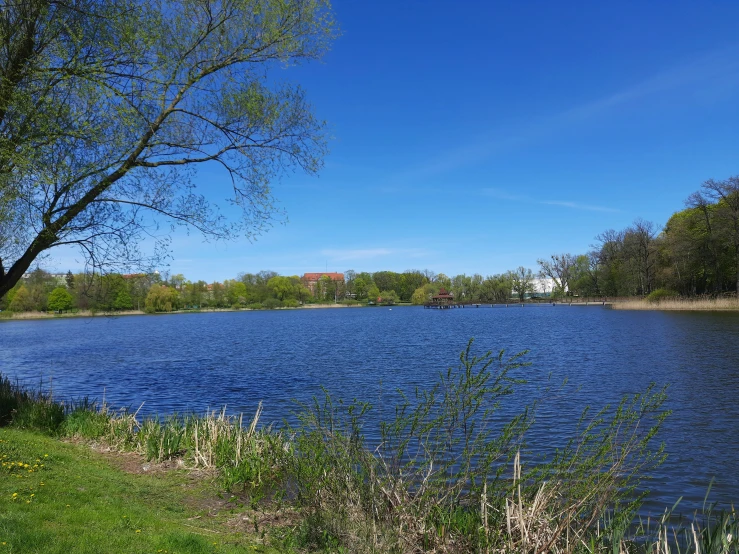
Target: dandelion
[15,494]
[138,530]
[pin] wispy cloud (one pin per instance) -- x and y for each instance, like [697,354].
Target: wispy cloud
[720,67]
[503,195]
[578,206]
[371,253]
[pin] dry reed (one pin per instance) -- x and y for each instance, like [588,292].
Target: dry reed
[677,304]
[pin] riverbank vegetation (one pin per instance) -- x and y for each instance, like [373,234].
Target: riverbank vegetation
[695,256]
[445,473]
[680,304]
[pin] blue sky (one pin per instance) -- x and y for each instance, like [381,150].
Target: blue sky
[474,137]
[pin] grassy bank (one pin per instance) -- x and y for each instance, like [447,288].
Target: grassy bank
[677,304]
[446,476]
[59,498]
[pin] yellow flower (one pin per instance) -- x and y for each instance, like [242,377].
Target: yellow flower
[138,530]
[15,494]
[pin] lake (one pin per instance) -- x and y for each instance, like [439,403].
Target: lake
[200,361]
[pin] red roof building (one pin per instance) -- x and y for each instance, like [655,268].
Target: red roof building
[311,279]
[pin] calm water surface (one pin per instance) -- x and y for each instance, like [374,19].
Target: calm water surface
[192,362]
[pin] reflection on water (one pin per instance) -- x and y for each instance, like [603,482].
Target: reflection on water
[192,362]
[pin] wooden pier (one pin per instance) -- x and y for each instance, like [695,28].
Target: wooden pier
[454,305]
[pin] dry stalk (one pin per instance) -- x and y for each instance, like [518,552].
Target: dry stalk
[692,304]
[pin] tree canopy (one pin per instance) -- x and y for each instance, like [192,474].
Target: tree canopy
[107,107]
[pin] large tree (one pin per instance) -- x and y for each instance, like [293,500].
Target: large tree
[725,196]
[522,282]
[560,269]
[108,106]
[639,247]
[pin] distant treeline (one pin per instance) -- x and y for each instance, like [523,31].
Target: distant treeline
[696,253]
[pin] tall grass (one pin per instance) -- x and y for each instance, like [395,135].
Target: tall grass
[448,473]
[246,457]
[676,304]
[28,409]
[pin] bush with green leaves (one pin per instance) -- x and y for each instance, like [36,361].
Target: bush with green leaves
[271,303]
[446,473]
[60,300]
[658,295]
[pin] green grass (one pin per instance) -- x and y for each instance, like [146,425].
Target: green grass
[71,499]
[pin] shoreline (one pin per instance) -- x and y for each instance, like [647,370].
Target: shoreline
[250,468]
[21,316]
[680,305]
[684,305]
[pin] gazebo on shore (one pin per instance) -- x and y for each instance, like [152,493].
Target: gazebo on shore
[444,299]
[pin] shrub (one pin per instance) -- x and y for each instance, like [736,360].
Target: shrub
[441,476]
[271,303]
[60,300]
[290,303]
[254,306]
[422,485]
[658,295]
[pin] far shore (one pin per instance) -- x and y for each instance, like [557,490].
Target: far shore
[678,304]
[88,313]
